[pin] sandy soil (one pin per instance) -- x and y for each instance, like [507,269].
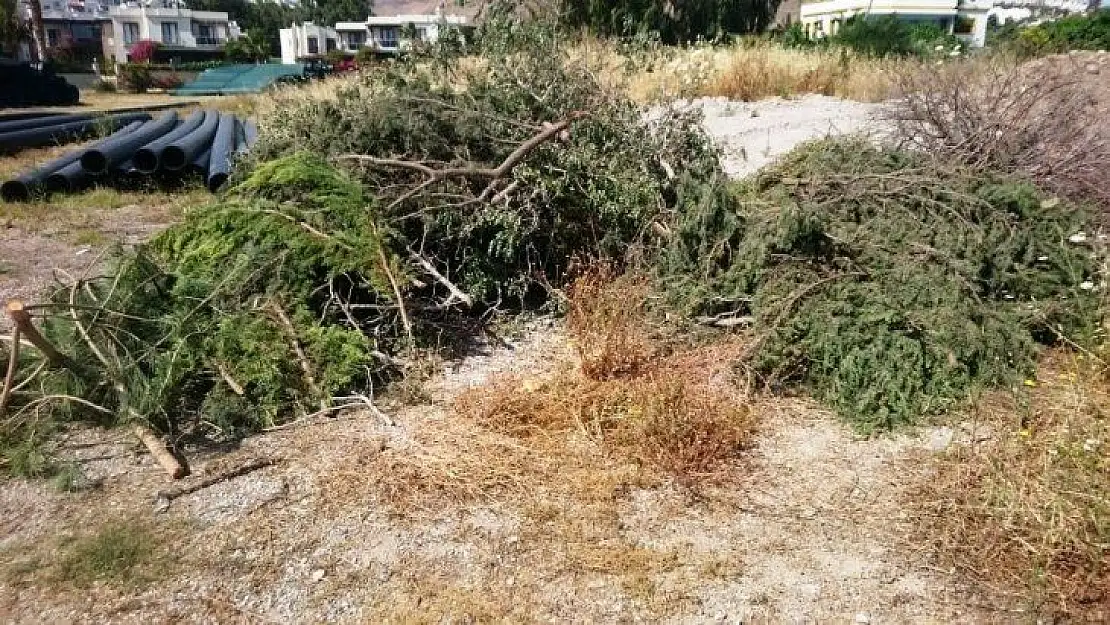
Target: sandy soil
[752,134]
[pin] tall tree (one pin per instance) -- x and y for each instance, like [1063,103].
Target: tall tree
[675,21]
[38,33]
[328,12]
[13,27]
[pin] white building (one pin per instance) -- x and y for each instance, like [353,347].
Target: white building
[308,39]
[393,33]
[389,32]
[966,19]
[170,24]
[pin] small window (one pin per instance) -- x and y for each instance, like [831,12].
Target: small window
[421,34]
[388,37]
[53,37]
[169,33]
[313,45]
[331,44]
[130,32]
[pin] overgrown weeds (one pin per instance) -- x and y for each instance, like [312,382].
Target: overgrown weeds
[115,553]
[1022,507]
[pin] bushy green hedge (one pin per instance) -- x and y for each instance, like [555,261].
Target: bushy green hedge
[880,36]
[1074,32]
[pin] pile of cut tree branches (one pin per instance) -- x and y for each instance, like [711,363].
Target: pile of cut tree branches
[391,219]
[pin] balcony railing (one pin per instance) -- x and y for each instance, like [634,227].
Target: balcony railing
[211,41]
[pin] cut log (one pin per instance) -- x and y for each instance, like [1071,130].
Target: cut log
[162,455]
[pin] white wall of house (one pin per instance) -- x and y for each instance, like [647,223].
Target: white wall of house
[170,26]
[308,39]
[821,19]
[381,32]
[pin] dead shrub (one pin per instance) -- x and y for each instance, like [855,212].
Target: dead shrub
[1042,120]
[680,412]
[1025,512]
[605,317]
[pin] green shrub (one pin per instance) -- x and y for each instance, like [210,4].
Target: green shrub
[888,35]
[1074,32]
[891,288]
[135,78]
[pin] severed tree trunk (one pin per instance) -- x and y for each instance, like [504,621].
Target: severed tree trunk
[38,33]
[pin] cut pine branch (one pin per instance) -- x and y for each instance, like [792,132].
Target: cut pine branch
[22,320]
[494,174]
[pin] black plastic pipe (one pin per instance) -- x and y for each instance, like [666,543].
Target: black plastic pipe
[200,164]
[39,122]
[240,137]
[112,153]
[73,176]
[250,132]
[149,157]
[219,163]
[14,117]
[180,153]
[20,188]
[47,135]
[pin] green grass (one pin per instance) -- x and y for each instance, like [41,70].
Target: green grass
[119,552]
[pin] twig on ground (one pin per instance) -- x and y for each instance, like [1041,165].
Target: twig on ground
[9,378]
[163,498]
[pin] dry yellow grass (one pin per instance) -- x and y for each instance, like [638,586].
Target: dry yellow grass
[768,70]
[679,413]
[1026,512]
[743,71]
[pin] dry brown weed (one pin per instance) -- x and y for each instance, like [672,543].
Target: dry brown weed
[679,412]
[1025,512]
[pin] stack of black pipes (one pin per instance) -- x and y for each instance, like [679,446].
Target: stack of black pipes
[203,143]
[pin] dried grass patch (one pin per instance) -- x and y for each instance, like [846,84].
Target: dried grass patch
[1026,512]
[767,70]
[679,412]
